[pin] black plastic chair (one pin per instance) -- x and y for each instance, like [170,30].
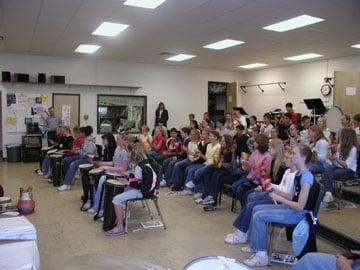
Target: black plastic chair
[290,227]
[228,190]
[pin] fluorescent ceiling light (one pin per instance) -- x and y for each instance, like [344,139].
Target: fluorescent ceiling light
[357,46]
[87,48]
[293,23]
[109,29]
[303,56]
[254,65]
[180,57]
[226,43]
[152,4]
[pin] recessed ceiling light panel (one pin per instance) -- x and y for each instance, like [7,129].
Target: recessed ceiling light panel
[293,23]
[301,57]
[226,43]
[180,57]
[254,65]
[357,46]
[87,48]
[109,29]
[151,4]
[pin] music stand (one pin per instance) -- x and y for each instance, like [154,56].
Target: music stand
[317,107]
[241,110]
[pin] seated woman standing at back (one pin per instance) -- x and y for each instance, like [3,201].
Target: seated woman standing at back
[261,196]
[108,141]
[321,147]
[287,212]
[344,162]
[141,183]
[89,150]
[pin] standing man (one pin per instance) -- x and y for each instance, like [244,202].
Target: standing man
[289,109]
[52,122]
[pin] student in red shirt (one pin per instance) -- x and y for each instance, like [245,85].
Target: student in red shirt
[158,143]
[77,143]
[289,109]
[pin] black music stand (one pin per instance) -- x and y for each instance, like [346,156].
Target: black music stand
[316,106]
[241,110]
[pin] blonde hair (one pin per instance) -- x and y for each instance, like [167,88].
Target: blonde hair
[279,148]
[319,134]
[137,153]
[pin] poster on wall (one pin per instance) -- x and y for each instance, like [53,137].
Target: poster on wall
[21,106]
[66,111]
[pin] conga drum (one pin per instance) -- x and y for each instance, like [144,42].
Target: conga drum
[85,180]
[44,151]
[215,262]
[95,175]
[112,188]
[112,175]
[55,161]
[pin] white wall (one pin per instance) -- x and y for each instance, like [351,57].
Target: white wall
[182,89]
[302,81]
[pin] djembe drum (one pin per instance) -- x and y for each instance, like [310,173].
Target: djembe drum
[95,175]
[43,154]
[85,180]
[55,161]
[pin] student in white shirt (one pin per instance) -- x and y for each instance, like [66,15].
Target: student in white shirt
[356,124]
[344,162]
[266,126]
[321,147]
[304,133]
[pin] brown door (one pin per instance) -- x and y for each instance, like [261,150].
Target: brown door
[231,97]
[67,106]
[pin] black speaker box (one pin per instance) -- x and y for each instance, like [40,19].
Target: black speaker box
[57,79]
[41,78]
[20,77]
[6,76]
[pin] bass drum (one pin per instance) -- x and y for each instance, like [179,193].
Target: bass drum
[333,119]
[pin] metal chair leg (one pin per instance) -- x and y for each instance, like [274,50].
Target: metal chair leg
[159,212]
[148,208]
[143,204]
[126,215]
[220,194]
[270,245]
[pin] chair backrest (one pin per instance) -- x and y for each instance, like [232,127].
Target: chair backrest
[319,200]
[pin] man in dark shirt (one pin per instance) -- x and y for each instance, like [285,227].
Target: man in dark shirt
[284,127]
[241,140]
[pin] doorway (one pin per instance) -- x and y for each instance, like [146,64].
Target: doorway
[217,105]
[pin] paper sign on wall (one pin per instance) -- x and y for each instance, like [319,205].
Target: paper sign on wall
[66,110]
[350,91]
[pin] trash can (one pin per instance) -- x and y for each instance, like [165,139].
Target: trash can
[13,151]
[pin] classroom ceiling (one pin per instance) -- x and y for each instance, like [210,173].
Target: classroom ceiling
[57,27]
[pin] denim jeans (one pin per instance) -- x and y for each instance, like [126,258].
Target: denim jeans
[46,166]
[168,166]
[191,170]
[334,172]
[316,261]
[69,176]
[262,215]
[97,196]
[212,183]
[236,186]
[204,173]
[242,222]
[316,167]
[66,163]
[179,172]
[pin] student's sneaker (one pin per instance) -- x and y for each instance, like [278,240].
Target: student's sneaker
[247,249]
[91,211]
[50,180]
[210,207]
[237,237]
[186,192]
[163,183]
[328,197]
[87,205]
[198,200]
[197,195]
[259,259]
[39,172]
[190,184]
[64,188]
[207,200]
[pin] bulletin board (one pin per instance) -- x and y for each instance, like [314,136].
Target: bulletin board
[20,106]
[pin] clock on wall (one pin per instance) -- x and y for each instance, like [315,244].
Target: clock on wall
[326,89]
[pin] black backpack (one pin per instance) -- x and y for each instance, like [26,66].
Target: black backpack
[148,183]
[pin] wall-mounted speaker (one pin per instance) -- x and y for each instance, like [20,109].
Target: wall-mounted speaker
[41,78]
[21,77]
[6,76]
[57,79]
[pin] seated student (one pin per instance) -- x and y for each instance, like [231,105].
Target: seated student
[108,141]
[212,154]
[321,147]
[344,162]
[240,140]
[172,147]
[194,124]
[290,110]
[229,124]
[158,143]
[294,135]
[119,165]
[64,142]
[205,124]
[89,150]
[324,261]
[77,143]
[258,163]
[252,134]
[178,174]
[321,122]
[206,116]
[274,134]
[168,164]
[261,196]
[222,162]
[345,123]
[145,138]
[191,117]
[266,126]
[304,133]
[220,126]
[356,124]
[284,127]
[288,211]
[161,125]
[253,122]
[141,183]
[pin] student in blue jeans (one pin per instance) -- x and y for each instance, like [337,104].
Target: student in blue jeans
[89,150]
[287,212]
